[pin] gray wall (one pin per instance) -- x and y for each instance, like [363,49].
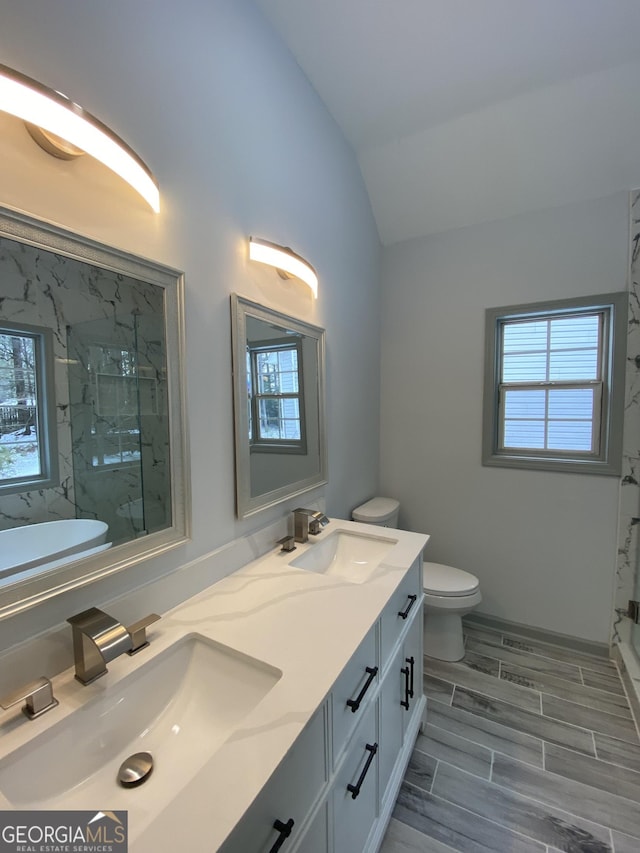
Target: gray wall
[543,544]
[240,144]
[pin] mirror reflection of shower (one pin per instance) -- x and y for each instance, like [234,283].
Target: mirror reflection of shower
[119,423]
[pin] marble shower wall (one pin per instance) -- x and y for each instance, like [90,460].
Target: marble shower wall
[42,288]
[629,510]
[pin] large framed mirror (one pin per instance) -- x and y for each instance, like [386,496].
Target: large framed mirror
[93,450]
[279,416]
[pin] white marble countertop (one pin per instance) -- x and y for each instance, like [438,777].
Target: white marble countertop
[306,625]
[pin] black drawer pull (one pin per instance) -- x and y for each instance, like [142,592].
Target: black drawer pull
[354,790]
[285,831]
[354,704]
[404,613]
[407,671]
[405,702]
[411,661]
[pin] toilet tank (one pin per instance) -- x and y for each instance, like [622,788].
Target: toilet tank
[380,511]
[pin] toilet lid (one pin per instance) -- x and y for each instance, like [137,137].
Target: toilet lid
[376,510]
[445,580]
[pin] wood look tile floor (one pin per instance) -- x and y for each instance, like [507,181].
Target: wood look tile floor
[527,746]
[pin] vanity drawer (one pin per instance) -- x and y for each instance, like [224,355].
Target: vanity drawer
[287,797]
[401,607]
[352,692]
[355,789]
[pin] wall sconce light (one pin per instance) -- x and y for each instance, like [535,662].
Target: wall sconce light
[286,262]
[66,130]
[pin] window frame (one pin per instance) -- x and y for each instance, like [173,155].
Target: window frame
[47,430]
[276,445]
[607,459]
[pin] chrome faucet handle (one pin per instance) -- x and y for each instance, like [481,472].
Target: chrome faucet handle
[138,633]
[39,698]
[288,543]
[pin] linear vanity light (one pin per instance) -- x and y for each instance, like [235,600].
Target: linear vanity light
[66,130]
[284,260]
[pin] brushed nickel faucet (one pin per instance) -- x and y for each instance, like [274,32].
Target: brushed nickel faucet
[38,697]
[99,638]
[307,521]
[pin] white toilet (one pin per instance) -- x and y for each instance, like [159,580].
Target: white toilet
[448,593]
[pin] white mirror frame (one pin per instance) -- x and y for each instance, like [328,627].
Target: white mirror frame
[18,596]
[246,504]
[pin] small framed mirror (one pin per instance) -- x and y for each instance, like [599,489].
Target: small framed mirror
[93,453]
[278,393]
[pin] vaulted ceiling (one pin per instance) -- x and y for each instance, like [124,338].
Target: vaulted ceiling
[464,111]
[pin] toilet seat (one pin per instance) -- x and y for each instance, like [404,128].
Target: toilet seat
[446,581]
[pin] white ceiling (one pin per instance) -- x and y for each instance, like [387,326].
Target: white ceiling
[463,111]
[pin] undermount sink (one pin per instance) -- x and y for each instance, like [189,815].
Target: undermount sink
[354,557]
[180,706]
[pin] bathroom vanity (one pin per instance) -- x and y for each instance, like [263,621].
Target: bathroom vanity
[280,707]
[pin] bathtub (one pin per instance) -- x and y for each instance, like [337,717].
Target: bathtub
[23,548]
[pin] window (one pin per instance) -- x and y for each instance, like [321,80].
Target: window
[276,411]
[554,385]
[28,447]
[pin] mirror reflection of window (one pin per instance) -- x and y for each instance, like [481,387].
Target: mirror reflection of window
[275,395]
[25,429]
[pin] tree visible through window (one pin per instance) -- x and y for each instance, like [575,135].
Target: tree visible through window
[25,433]
[552,393]
[276,412]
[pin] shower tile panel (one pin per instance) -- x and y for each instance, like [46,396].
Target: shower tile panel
[629,502]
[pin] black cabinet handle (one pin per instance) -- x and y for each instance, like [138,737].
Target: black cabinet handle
[404,613]
[285,831]
[354,790]
[354,704]
[407,671]
[411,661]
[405,702]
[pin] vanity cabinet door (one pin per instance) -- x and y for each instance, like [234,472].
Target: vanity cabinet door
[399,699]
[276,818]
[316,838]
[355,788]
[400,608]
[352,692]
[412,670]
[392,723]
